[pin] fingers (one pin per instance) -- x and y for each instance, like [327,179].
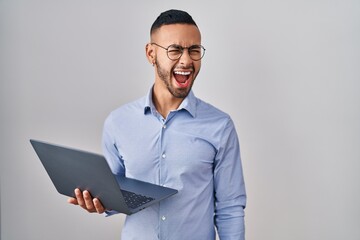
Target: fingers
[80,198]
[89,205]
[85,200]
[72,201]
[98,206]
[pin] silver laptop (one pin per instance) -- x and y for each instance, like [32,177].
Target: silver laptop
[71,168]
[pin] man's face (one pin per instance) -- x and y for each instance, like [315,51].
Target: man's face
[176,76]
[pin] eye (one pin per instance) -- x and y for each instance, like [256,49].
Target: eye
[174,49]
[195,49]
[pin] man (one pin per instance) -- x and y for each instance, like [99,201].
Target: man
[174,139]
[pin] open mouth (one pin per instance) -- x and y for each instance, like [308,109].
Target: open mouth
[182,78]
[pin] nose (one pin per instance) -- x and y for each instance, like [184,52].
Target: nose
[185,58]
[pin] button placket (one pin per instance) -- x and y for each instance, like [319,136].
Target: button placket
[162,178]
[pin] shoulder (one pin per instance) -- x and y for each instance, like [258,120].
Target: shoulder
[129,108]
[208,111]
[127,111]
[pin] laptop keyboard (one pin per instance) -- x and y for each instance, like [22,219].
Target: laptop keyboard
[134,200]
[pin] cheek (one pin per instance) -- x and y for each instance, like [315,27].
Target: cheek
[164,71]
[167,67]
[164,60]
[197,67]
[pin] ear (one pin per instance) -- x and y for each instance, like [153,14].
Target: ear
[150,53]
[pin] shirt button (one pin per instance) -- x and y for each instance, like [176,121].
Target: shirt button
[164,155]
[163,218]
[164,126]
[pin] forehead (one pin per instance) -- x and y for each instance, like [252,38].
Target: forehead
[182,34]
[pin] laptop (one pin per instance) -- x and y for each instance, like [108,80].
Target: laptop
[70,168]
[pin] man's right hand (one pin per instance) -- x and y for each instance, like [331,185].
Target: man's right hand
[85,200]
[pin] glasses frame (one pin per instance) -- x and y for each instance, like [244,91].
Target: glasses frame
[182,50]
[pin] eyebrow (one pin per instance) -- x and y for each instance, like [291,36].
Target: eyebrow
[178,45]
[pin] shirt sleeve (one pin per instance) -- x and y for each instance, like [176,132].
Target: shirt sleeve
[111,154]
[230,195]
[110,149]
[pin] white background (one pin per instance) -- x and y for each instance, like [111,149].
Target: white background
[286,71]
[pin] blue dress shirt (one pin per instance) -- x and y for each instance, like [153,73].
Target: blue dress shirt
[195,150]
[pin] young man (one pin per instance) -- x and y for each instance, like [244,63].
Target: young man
[174,139]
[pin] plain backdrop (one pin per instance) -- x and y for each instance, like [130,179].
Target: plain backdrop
[286,71]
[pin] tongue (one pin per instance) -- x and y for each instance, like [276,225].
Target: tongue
[181,78]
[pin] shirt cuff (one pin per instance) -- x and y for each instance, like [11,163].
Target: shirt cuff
[110,213]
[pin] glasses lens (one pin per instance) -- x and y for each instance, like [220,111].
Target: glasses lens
[196,52]
[174,52]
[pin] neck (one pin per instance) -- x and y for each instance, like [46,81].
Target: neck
[164,101]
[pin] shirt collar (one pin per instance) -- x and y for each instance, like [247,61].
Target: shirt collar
[188,104]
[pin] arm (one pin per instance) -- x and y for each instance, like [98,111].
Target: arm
[84,199]
[230,196]
[111,153]
[110,150]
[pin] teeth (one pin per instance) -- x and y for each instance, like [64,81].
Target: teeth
[182,73]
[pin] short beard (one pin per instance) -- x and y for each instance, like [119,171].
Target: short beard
[166,78]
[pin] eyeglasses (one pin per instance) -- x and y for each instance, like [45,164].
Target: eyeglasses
[174,51]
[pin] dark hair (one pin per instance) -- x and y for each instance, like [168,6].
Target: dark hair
[172,17]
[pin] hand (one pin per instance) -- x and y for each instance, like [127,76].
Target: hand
[84,200]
